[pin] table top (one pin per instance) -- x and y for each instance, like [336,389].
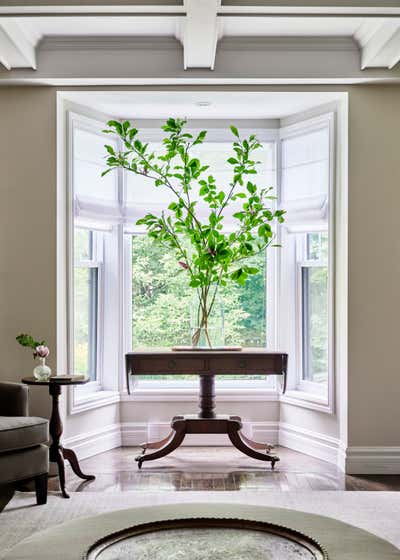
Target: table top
[204,352]
[53,381]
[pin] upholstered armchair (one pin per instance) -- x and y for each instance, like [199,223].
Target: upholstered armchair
[24,454]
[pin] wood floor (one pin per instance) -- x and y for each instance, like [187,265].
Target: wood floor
[217,469]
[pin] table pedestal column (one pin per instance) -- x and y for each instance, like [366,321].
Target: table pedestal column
[207,396]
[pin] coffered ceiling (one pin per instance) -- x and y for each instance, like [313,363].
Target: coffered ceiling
[198,40]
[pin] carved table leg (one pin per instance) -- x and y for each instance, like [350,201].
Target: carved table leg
[70,456]
[57,457]
[156,444]
[254,444]
[237,440]
[56,451]
[178,431]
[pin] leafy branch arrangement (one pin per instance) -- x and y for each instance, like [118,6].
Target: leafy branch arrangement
[211,255]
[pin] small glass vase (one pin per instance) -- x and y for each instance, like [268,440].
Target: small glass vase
[207,318]
[42,372]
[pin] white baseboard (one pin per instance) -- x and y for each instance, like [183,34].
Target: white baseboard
[371,460]
[135,433]
[311,443]
[352,460]
[96,441]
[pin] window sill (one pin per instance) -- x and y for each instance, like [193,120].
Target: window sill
[321,403]
[192,395]
[82,401]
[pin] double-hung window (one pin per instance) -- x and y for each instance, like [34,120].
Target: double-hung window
[87,298]
[306,260]
[93,201]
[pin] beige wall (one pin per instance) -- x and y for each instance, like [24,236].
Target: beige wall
[28,229]
[28,255]
[374,266]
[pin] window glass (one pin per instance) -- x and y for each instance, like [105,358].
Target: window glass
[315,323]
[317,246]
[161,302]
[86,302]
[85,320]
[83,245]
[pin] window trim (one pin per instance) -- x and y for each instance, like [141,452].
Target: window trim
[295,397]
[92,394]
[301,393]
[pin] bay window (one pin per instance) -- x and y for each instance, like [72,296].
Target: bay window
[126,291]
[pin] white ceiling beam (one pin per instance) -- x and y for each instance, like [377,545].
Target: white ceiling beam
[380,48]
[16,48]
[199,33]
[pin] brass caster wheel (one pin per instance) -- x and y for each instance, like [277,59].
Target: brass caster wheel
[139,460]
[273,461]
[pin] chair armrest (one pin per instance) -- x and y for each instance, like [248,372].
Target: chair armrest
[13,399]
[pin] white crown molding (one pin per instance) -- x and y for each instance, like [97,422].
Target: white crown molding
[110,42]
[380,44]
[293,8]
[328,44]
[127,61]
[16,47]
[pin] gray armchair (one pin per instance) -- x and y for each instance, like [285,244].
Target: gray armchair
[24,454]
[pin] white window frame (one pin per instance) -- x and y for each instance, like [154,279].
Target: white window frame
[297,395]
[94,393]
[300,392]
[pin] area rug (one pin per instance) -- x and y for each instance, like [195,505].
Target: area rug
[377,512]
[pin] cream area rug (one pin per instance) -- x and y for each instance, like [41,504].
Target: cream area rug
[377,512]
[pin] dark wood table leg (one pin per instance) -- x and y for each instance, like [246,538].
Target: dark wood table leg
[267,447]
[156,444]
[70,455]
[234,427]
[179,432]
[56,451]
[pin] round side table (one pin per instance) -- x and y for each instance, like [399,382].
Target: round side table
[57,452]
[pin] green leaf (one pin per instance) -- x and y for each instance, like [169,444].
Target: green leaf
[200,137]
[232,161]
[110,149]
[234,131]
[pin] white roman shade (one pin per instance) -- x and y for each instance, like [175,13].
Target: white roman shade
[306,172]
[95,198]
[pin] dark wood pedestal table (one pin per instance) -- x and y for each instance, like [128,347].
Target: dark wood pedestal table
[206,364]
[58,453]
